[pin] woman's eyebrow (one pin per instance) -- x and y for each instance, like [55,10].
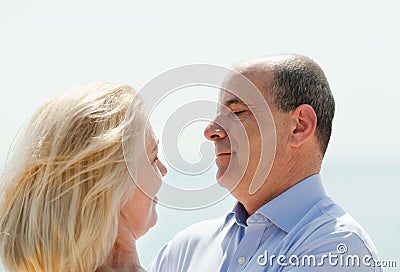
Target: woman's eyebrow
[155,148]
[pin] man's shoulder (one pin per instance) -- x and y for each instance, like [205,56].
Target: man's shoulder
[334,219]
[327,215]
[327,227]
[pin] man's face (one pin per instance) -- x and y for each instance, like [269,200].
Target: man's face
[239,135]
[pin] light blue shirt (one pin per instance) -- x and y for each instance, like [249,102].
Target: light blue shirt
[300,230]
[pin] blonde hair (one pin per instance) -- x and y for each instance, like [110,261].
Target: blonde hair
[62,190]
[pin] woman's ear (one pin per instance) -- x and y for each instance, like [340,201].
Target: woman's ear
[303,123]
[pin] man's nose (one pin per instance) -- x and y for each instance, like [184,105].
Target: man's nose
[214,132]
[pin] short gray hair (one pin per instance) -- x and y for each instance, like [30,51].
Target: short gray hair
[299,80]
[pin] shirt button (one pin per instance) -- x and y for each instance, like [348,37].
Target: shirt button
[241,260]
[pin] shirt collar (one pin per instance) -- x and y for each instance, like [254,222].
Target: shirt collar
[239,214]
[287,209]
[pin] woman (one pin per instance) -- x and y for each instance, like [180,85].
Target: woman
[68,200]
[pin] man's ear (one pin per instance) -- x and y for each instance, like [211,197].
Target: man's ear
[303,123]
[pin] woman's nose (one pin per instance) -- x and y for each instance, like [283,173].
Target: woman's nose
[163,169]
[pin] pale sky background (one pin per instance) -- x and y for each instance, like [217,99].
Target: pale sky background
[47,47]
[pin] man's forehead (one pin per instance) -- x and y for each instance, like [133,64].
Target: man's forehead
[254,99]
[241,86]
[250,98]
[226,96]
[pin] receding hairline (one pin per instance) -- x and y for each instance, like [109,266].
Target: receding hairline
[264,68]
[268,63]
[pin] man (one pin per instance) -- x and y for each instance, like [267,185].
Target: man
[288,223]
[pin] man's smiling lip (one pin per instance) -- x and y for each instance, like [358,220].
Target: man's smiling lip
[225,154]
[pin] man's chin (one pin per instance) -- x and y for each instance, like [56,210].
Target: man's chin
[226,181]
[222,176]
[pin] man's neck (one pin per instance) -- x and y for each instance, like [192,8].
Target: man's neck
[292,173]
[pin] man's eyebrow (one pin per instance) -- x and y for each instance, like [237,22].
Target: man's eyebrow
[234,101]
